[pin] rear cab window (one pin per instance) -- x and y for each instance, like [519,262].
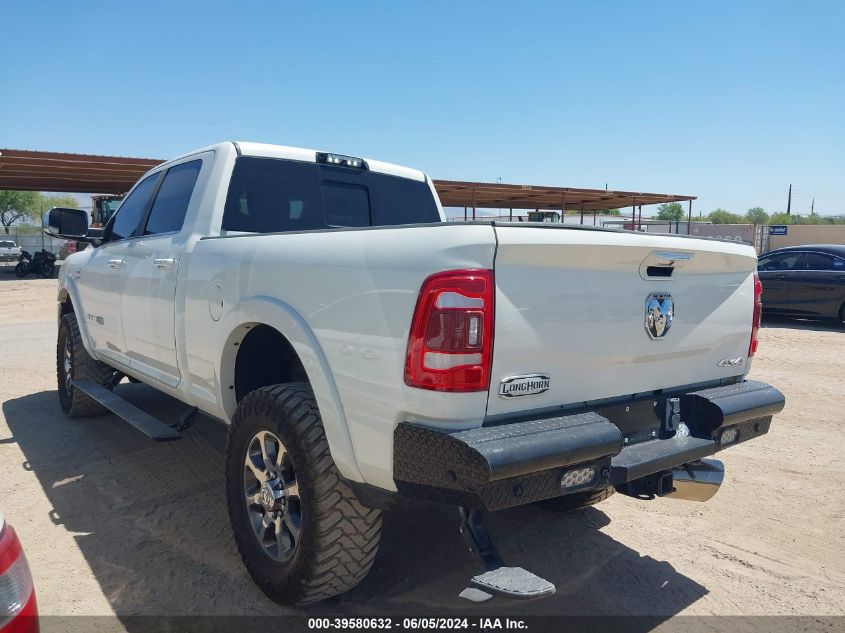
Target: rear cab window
[269,195]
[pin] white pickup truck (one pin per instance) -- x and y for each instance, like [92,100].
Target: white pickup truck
[360,346]
[9,251]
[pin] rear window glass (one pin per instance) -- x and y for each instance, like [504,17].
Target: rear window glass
[172,199]
[270,195]
[345,205]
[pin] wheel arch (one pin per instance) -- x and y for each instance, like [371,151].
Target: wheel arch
[68,298]
[265,326]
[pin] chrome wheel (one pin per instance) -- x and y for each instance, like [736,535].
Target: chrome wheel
[272,496]
[67,364]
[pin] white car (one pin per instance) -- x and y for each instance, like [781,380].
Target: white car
[9,251]
[361,347]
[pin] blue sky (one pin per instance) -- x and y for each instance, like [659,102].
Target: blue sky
[730,101]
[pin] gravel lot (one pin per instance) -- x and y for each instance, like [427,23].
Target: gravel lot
[114,523]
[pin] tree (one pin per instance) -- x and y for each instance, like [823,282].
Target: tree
[45,203]
[25,207]
[609,212]
[780,218]
[720,216]
[673,211]
[757,215]
[17,206]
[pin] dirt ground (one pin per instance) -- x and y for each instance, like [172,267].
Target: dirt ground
[114,523]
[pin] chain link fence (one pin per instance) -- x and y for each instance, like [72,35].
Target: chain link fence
[33,239]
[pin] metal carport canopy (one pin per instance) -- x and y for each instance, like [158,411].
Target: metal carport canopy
[27,170]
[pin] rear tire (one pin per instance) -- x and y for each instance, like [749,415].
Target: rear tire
[842,315]
[576,501]
[301,531]
[74,363]
[21,269]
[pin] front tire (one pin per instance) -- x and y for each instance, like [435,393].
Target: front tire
[74,363]
[301,531]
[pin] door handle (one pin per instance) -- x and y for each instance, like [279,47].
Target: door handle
[164,263]
[116,263]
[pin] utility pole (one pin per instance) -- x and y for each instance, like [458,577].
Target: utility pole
[812,206]
[789,201]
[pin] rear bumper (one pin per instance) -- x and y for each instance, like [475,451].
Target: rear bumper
[514,463]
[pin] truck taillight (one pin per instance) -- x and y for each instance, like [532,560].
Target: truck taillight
[758,315]
[18,610]
[450,347]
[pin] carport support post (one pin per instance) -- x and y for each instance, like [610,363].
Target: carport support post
[473,204]
[465,213]
[634,214]
[582,213]
[689,218]
[641,217]
[510,214]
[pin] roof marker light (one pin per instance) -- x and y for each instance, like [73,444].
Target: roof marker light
[341,160]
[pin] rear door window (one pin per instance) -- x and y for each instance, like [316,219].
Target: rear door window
[818,261]
[172,199]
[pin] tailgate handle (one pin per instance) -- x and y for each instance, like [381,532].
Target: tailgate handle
[667,258]
[661,264]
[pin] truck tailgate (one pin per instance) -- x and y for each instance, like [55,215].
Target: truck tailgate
[571,311]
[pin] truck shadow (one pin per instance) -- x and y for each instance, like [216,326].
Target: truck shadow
[150,519]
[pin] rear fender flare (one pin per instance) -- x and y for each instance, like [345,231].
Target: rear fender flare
[264,310]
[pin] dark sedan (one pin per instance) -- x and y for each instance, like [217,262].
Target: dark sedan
[804,281]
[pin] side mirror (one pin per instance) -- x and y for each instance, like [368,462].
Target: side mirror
[68,224]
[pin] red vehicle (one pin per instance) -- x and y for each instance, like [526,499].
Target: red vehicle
[18,608]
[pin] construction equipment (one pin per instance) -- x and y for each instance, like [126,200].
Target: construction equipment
[103,207]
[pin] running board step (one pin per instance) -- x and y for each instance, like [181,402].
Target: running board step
[141,420]
[513,582]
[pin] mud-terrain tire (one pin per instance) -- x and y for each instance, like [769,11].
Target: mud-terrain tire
[576,501]
[278,428]
[69,349]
